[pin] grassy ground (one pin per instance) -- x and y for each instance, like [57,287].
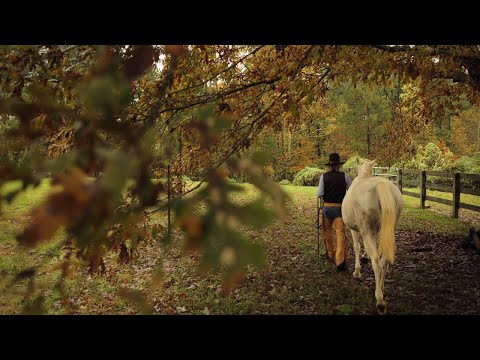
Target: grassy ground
[292,282]
[464,214]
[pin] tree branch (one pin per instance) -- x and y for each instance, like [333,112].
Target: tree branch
[219,73]
[213,97]
[470,62]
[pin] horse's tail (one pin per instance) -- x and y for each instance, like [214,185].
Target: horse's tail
[388,221]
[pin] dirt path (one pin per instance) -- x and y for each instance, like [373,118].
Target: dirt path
[433,274]
[444,279]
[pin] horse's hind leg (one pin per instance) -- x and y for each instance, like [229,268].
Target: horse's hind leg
[364,258]
[357,249]
[371,248]
[384,268]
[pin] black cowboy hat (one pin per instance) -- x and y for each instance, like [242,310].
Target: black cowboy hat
[334,159]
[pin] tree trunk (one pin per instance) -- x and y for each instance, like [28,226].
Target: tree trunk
[317,142]
[368,134]
[284,155]
[180,149]
[368,141]
[478,137]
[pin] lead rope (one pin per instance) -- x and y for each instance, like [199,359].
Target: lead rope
[318,225]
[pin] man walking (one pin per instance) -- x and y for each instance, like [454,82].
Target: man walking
[332,188]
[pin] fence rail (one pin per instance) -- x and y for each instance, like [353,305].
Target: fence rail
[465,190]
[409,193]
[407,171]
[411,182]
[440,187]
[456,189]
[385,172]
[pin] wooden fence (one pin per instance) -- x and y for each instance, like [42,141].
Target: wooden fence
[385,172]
[456,189]
[377,171]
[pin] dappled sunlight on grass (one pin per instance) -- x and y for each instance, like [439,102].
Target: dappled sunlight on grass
[25,199]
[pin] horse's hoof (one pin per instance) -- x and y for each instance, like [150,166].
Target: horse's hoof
[382,309]
[357,275]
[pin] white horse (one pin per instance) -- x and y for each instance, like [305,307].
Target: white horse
[371,209]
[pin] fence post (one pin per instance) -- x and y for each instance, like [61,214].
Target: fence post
[399,180]
[423,189]
[456,195]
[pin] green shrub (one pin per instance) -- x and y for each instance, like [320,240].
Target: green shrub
[309,176]
[284,173]
[351,165]
[353,162]
[285,182]
[239,177]
[468,165]
[431,157]
[194,177]
[231,180]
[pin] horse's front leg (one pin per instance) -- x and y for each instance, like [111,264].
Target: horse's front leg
[356,248]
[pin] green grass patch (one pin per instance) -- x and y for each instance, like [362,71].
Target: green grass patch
[464,198]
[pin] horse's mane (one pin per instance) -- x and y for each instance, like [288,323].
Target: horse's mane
[365,169]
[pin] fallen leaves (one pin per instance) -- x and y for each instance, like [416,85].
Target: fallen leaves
[181,309]
[206,311]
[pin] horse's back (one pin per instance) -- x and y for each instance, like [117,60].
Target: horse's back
[361,203]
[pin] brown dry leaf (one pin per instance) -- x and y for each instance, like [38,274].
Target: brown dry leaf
[175,50]
[124,256]
[75,183]
[47,219]
[59,209]
[96,264]
[181,309]
[231,281]
[206,311]
[143,58]
[194,229]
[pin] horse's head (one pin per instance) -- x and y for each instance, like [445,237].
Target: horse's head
[365,168]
